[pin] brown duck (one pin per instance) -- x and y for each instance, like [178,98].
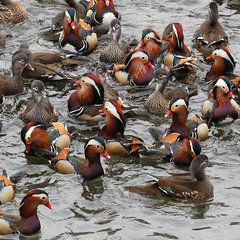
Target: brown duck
[198,186]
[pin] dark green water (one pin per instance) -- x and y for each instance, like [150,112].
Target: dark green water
[101,209]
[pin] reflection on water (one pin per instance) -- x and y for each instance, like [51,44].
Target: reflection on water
[101,209]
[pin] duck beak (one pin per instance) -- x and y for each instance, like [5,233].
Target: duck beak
[76,84]
[150,64]
[27,148]
[154,80]
[72,24]
[230,94]
[142,43]
[48,205]
[105,154]
[101,112]
[210,57]
[42,93]
[107,2]
[169,112]
[29,66]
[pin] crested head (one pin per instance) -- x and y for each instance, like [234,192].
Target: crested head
[101,69]
[115,24]
[98,142]
[177,101]
[198,165]
[223,83]
[70,14]
[161,73]
[149,34]
[19,62]
[37,90]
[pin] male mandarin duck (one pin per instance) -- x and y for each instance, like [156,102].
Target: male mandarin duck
[90,167]
[210,34]
[11,85]
[137,69]
[114,53]
[179,111]
[220,104]
[104,14]
[152,43]
[8,185]
[101,72]
[86,102]
[27,223]
[223,65]
[198,186]
[39,109]
[41,143]
[158,101]
[77,34]
[113,132]
[12,11]
[179,58]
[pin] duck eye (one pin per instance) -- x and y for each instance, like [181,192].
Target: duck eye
[98,146]
[148,38]
[116,25]
[176,105]
[36,88]
[83,81]
[143,57]
[100,70]
[223,87]
[160,75]
[215,54]
[106,109]
[43,198]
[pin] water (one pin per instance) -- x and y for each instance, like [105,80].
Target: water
[101,209]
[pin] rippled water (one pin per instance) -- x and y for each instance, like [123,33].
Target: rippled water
[100,209]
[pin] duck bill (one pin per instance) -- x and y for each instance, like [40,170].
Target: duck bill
[105,154]
[107,2]
[76,84]
[42,93]
[150,64]
[27,148]
[72,24]
[48,205]
[29,66]
[169,112]
[142,43]
[230,94]
[210,57]
[154,80]
[102,112]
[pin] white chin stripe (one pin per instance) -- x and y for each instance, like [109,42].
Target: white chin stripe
[113,110]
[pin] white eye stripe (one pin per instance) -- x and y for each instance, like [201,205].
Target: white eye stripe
[113,110]
[175,30]
[30,130]
[67,14]
[223,54]
[221,83]
[138,54]
[42,195]
[92,82]
[151,35]
[180,102]
[92,142]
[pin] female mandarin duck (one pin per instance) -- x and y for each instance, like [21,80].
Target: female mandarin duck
[113,53]
[158,101]
[12,11]
[40,109]
[11,85]
[152,43]
[91,167]
[113,132]
[109,93]
[27,223]
[220,105]
[42,64]
[198,186]
[210,34]
[223,65]
[104,14]
[39,142]
[8,186]
[86,102]
[83,39]
[179,58]
[137,69]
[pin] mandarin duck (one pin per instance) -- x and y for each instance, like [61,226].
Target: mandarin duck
[114,53]
[38,142]
[101,72]
[8,185]
[221,104]
[77,34]
[179,58]
[158,101]
[27,223]
[86,102]
[42,63]
[198,186]
[12,11]
[152,43]
[11,85]
[113,132]
[137,69]
[223,65]
[39,109]
[104,14]
[90,167]
[210,34]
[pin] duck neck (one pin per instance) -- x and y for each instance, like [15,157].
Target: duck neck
[28,209]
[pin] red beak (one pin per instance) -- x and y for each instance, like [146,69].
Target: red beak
[105,154]
[107,2]
[210,57]
[48,205]
[72,24]
[150,64]
[27,148]
[76,84]
[230,94]
[102,112]
[142,43]
[169,112]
